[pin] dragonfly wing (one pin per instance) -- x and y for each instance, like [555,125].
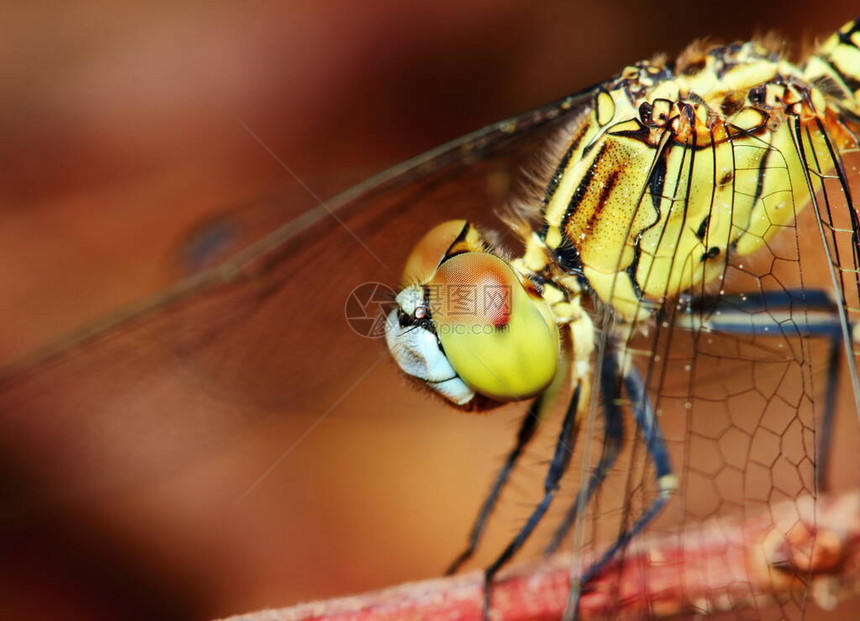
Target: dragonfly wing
[262,335]
[747,375]
[828,169]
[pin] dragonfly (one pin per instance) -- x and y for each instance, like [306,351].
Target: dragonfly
[670,180]
[684,245]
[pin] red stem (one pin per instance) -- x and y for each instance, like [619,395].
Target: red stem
[718,566]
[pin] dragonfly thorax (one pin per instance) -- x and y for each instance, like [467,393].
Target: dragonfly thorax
[672,171]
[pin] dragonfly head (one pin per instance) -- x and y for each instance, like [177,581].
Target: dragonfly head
[468,325]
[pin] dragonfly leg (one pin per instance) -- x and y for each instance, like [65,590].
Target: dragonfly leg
[612,440]
[767,313]
[760,313]
[647,423]
[526,432]
[557,467]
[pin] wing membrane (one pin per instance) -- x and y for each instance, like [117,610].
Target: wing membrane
[744,373]
[261,335]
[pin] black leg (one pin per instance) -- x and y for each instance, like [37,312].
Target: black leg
[527,430]
[612,439]
[647,423]
[557,467]
[735,316]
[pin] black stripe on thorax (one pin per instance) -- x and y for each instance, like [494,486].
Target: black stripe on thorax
[582,188]
[759,189]
[850,82]
[605,193]
[845,37]
[657,181]
[552,186]
[567,254]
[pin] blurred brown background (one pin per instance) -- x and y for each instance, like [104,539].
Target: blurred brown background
[121,127]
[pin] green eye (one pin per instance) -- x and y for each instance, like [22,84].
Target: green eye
[450,236]
[497,332]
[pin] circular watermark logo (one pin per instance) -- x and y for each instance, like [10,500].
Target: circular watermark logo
[367,307]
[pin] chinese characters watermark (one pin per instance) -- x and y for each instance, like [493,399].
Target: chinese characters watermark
[453,308]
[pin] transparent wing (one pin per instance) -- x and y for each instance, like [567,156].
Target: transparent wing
[747,377]
[245,392]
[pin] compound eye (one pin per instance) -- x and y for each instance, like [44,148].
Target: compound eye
[432,249]
[497,332]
